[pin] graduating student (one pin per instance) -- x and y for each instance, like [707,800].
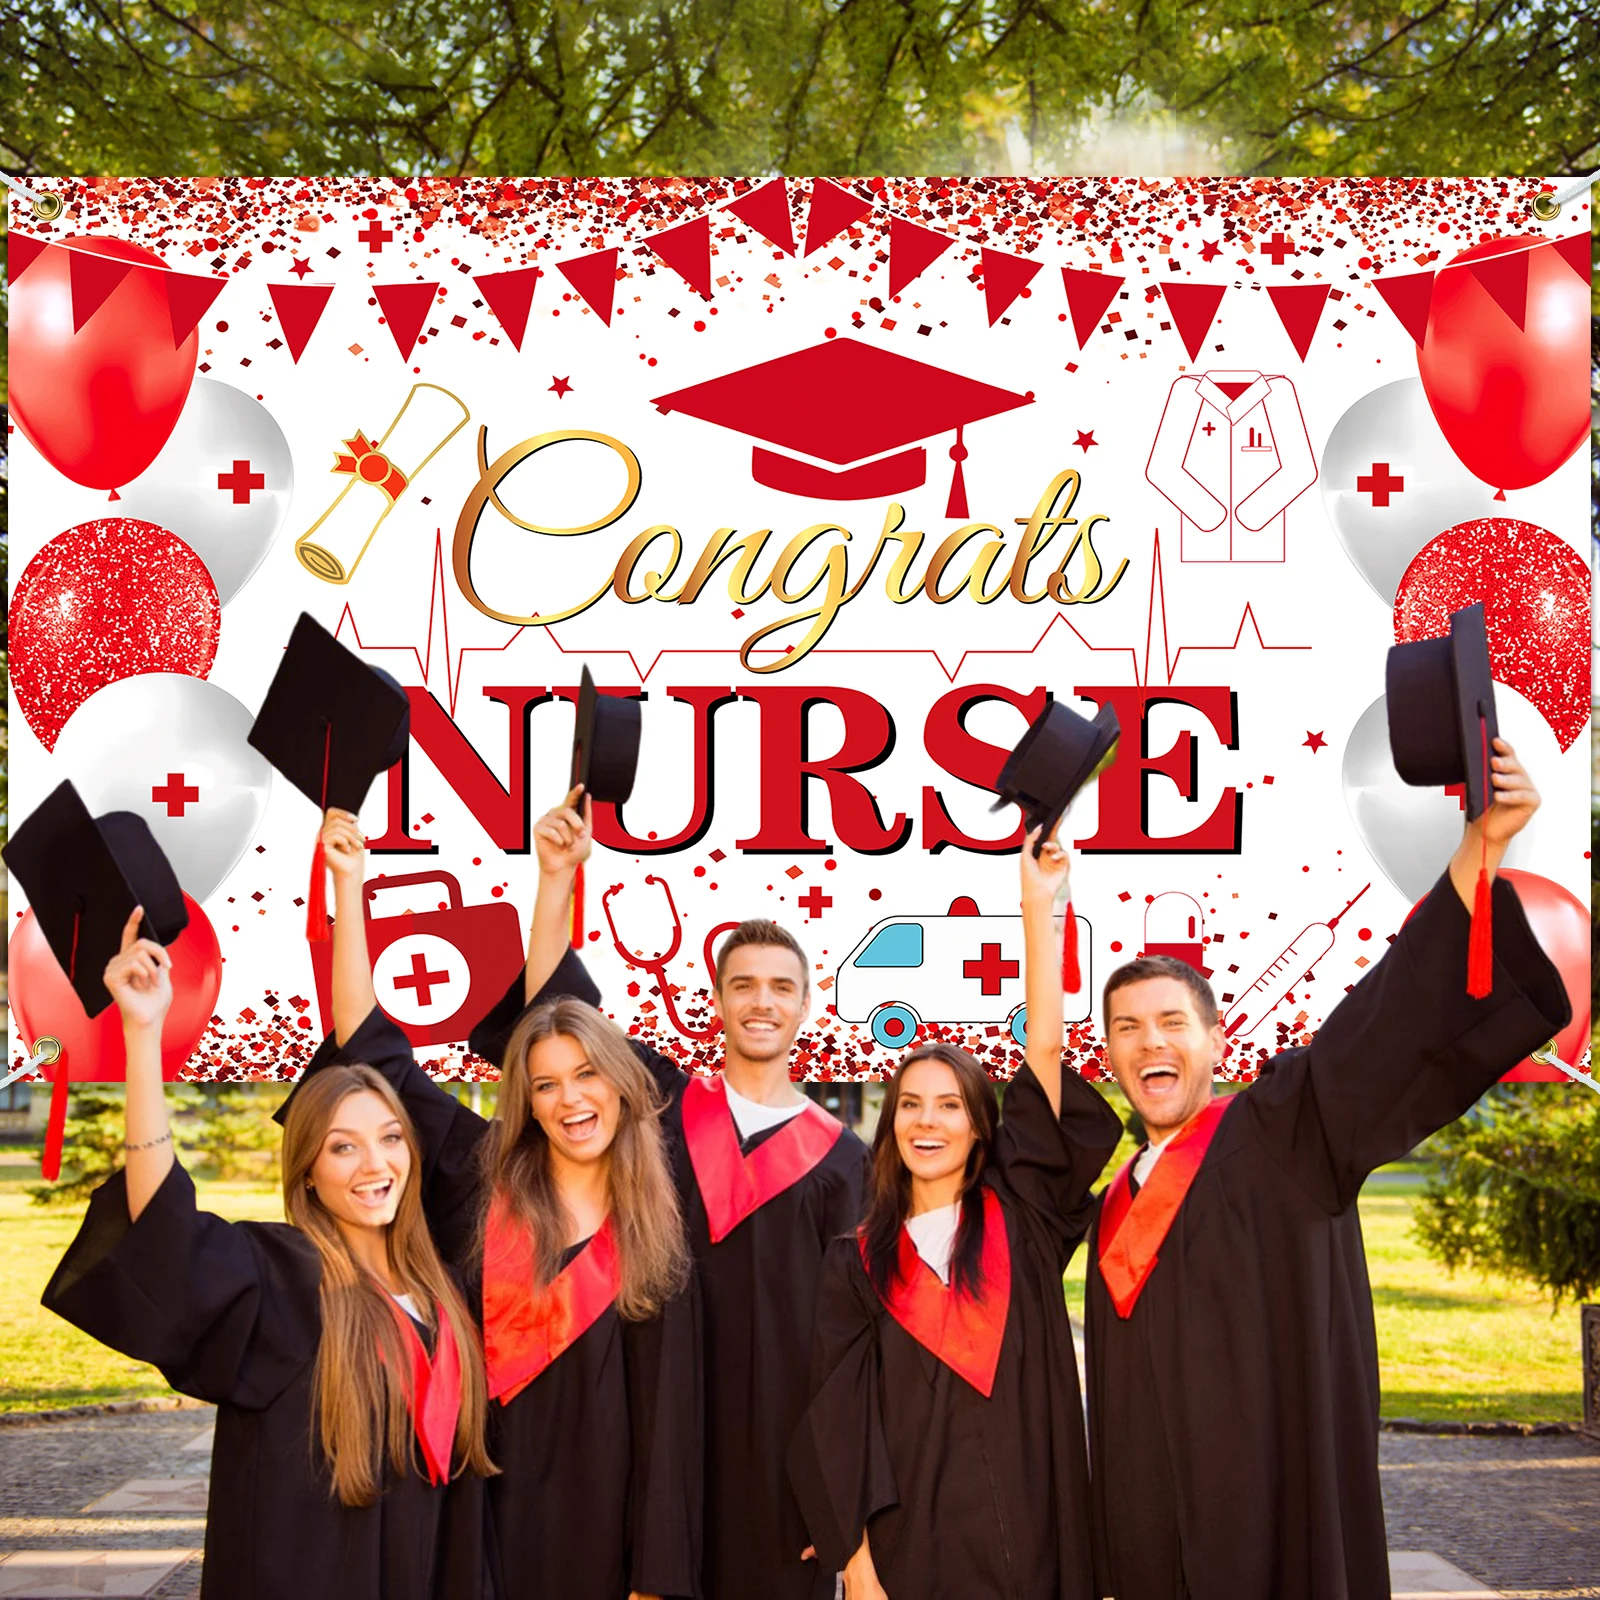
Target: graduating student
[564,1211]
[339,1353]
[942,1455]
[1233,1372]
[767,1179]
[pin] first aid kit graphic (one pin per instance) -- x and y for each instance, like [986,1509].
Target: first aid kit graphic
[436,973]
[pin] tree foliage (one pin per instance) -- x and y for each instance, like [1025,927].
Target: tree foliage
[662,86]
[1516,1190]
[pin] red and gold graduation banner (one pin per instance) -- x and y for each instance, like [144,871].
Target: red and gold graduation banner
[843,479]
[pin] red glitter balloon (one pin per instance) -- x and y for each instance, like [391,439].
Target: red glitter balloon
[1535,593]
[104,601]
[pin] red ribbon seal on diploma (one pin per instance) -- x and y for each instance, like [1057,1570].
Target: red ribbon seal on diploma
[372,466]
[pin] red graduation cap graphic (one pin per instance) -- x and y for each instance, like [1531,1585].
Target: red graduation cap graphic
[849,404]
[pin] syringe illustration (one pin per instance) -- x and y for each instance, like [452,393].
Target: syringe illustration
[1304,951]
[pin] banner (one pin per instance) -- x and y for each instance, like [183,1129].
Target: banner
[843,480]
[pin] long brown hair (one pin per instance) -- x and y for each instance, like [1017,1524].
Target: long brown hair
[363,1371]
[653,1258]
[890,1199]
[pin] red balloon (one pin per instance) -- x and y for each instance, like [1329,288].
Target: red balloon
[104,601]
[1512,402]
[1560,922]
[98,403]
[44,1004]
[1535,593]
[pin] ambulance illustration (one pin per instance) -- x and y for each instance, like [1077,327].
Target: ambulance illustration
[959,967]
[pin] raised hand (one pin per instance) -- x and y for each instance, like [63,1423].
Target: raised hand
[1515,798]
[344,847]
[139,977]
[1044,876]
[564,835]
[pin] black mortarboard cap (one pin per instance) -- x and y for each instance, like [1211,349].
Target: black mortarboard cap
[330,722]
[1054,759]
[1440,698]
[605,744]
[83,876]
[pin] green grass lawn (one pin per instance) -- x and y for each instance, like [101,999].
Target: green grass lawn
[1451,1349]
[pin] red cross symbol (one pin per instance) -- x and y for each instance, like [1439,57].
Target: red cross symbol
[1278,247]
[420,979]
[1209,429]
[989,969]
[375,237]
[1379,484]
[241,481]
[175,796]
[815,901]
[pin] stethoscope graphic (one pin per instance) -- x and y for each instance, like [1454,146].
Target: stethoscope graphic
[656,966]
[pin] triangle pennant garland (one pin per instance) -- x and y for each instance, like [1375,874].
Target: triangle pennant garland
[1299,309]
[1505,280]
[1004,278]
[1575,251]
[1410,298]
[22,250]
[595,278]
[687,250]
[189,297]
[832,210]
[1088,295]
[93,279]
[510,297]
[1193,305]
[912,250]
[299,307]
[405,308]
[767,211]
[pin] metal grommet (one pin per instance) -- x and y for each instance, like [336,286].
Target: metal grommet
[1545,207]
[46,1050]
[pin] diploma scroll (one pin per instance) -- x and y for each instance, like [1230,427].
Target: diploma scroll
[375,478]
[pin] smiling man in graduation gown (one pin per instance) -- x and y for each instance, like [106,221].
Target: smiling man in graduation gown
[1232,1359]
[767,1180]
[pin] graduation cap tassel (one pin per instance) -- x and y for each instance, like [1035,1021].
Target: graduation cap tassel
[317,894]
[55,1128]
[1480,941]
[958,483]
[1071,975]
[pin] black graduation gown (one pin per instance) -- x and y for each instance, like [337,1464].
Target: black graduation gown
[599,1487]
[229,1312]
[1234,1414]
[966,1497]
[758,1290]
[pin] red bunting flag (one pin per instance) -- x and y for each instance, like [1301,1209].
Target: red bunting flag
[299,307]
[1409,297]
[405,308]
[1505,280]
[1193,306]
[1088,295]
[1299,307]
[93,279]
[595,278]
[22,250]
[687,250]
[1004,278]
[510,297]
[832,211]
[912,250]
[1575,251]
[767,211]
[189,297]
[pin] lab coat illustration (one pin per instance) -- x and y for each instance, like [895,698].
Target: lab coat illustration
[1231,454]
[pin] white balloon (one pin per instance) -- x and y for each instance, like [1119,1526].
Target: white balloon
[172,749]
[1412,832]
[1390,438]
[203,485]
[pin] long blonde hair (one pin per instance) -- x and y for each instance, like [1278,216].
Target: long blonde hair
[653,1258]
[363,1371]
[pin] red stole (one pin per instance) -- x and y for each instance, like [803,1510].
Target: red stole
[1133,1227]
[435,1391]
[524,1331]
[733,1185]
[964,1333]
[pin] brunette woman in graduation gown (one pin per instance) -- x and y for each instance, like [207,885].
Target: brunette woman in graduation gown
[563,1213]
[942,1456]
[340,1356]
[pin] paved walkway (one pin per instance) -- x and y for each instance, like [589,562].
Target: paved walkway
[115,1506]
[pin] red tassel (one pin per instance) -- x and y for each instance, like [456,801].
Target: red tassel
[1480,942]
[50,1164]
[1071,977]
[577,908]
[957,506]
[317,898]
